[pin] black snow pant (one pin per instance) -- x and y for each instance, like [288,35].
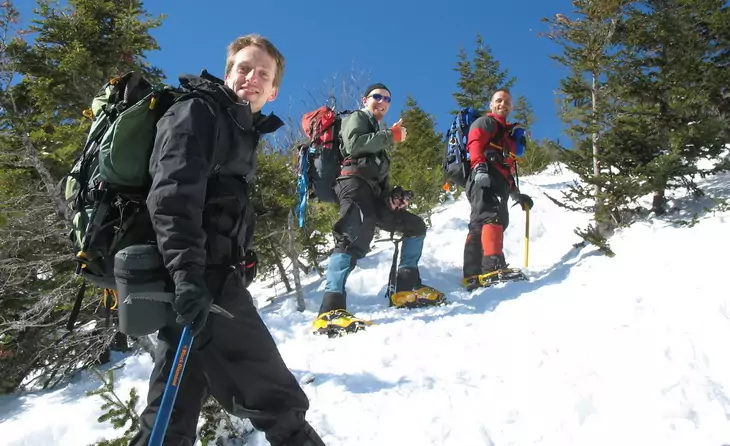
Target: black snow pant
[237,362]
[488,220]
[361,212]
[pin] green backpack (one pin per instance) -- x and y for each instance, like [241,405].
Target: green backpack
[106,189]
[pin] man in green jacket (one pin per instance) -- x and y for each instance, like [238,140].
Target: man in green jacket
[367,201]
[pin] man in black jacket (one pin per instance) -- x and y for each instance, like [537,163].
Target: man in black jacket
[203,162]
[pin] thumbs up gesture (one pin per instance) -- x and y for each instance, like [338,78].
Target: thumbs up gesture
[399,132]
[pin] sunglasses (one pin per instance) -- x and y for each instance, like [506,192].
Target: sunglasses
[379,97]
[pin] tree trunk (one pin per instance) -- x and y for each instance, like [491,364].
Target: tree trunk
[295,261]
[658,199]
[312,254]
[603,227]
[284,277]
[50,185]
[34,160]
[594,138]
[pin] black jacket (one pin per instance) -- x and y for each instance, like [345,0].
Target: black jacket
[202,164]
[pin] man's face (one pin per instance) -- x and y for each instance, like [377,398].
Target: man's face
[378,102]
[501,104]
[251,76]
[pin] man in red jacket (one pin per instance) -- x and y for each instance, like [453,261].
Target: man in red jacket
[491,148]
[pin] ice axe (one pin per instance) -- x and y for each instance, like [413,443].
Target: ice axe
[173,384]
[162,420]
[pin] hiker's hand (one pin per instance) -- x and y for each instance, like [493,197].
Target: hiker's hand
[481,175]
[399,132]
[399,198]
[396,204]
[522,199]
[192,300]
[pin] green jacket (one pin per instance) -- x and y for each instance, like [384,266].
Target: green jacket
[365,148]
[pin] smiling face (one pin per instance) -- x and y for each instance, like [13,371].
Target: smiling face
[252,76]
[501,104]
[378,102]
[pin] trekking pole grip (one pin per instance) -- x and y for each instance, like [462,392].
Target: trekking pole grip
[173,384]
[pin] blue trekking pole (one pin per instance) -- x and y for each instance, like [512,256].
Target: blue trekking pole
[173,383]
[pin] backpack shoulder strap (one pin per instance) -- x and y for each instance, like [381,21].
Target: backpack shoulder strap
[505,150]
[500,130]
[351,115]
[494,141]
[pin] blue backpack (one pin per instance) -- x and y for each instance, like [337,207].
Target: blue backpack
[457,167]
[456,157]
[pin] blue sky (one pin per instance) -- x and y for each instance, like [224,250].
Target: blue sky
[411,46]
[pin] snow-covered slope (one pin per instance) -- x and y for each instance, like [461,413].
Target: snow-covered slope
[629,350]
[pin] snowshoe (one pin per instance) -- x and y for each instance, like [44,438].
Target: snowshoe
[337,323]
[502,275]
[425,296]
[487,279]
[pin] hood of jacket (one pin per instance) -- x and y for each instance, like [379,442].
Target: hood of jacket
[239,110]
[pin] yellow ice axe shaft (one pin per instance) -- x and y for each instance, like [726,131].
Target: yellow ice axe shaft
[527,235]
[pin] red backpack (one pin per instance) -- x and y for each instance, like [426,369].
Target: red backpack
[320,160]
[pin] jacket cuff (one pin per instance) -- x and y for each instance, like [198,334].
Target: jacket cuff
[389,134]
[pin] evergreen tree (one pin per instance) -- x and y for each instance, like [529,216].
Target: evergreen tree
[538,154]
[667,70]
[76,49]
[479,77]
[46,85]
[589,107]
[713,25]
[416,162]
[654,108]
[523,112]
[274,197]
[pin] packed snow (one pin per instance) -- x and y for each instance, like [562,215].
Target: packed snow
[592,350]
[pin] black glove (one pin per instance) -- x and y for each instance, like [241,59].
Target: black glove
[522,199]
[398,198]
[192,300]
[250,266]
[401,194]
[481,175]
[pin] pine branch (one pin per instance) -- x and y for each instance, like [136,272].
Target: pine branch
[594,236]
[564,205]
[219,426]
[116,411]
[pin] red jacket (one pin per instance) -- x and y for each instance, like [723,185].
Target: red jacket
[481,133]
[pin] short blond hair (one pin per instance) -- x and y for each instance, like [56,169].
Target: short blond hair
[263,43]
